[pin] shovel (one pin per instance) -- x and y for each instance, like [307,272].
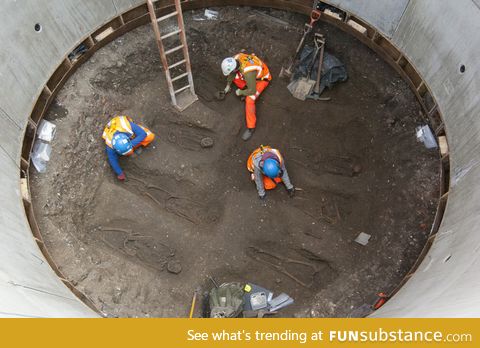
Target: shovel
[302,87]
[315,95]
[314,16]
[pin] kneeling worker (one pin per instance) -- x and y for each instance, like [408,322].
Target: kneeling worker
[122,137]
[251,76]
[268,169]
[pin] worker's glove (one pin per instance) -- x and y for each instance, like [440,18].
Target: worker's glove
[238,92]
[122,177]
[291,192]
[227,89]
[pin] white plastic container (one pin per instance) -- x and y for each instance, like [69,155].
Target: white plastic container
[211,14]
[41,155]
[46,131]
[425,135]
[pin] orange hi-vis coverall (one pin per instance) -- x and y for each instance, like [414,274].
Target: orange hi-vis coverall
[255,164]
[251,64]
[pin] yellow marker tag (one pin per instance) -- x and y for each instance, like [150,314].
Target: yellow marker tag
[247,288]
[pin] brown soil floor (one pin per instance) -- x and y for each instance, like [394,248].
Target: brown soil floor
[198,206]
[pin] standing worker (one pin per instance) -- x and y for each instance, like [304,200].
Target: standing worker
[268,169]
[123,137]
[251,76]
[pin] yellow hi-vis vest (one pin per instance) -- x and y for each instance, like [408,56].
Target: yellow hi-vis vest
[250,62]
[260,151]
[117,124]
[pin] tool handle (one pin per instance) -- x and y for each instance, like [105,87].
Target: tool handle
[315,54]
[319,73]
[306,30]
[314,16]
[192,308]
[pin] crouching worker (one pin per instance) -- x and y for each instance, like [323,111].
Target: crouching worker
[268,169]
[251,76]
[123,137]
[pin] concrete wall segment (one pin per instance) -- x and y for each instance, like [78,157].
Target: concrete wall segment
[382,14]
[28,286]
[437,37]
[125,5]
[439,43]
[10,136]
[21,261]
[16,301]
[29,58]
[11,216]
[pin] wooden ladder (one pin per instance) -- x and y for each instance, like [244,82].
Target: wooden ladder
[183,96]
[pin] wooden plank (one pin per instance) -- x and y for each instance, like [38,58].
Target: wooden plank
[24,190]
[442,142]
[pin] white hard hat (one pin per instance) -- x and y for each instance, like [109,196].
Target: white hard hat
[228,65]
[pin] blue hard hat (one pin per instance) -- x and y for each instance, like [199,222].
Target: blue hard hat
[121,143]
[271,168]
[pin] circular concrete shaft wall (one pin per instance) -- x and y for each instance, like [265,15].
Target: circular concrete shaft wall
[37,39]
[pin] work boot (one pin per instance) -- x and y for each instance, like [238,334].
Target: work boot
[248,133]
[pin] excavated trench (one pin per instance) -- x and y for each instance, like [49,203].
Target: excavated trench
[355,158]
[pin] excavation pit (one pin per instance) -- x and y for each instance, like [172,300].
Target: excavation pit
[196,206]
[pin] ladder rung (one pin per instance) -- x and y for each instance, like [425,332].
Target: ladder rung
[177,64]
[170,34]
[174,13]
[181,89]
[173,49]
[179,76]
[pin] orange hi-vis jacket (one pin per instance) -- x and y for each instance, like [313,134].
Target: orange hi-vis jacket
[260,151]
[250,62]
[117,124]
